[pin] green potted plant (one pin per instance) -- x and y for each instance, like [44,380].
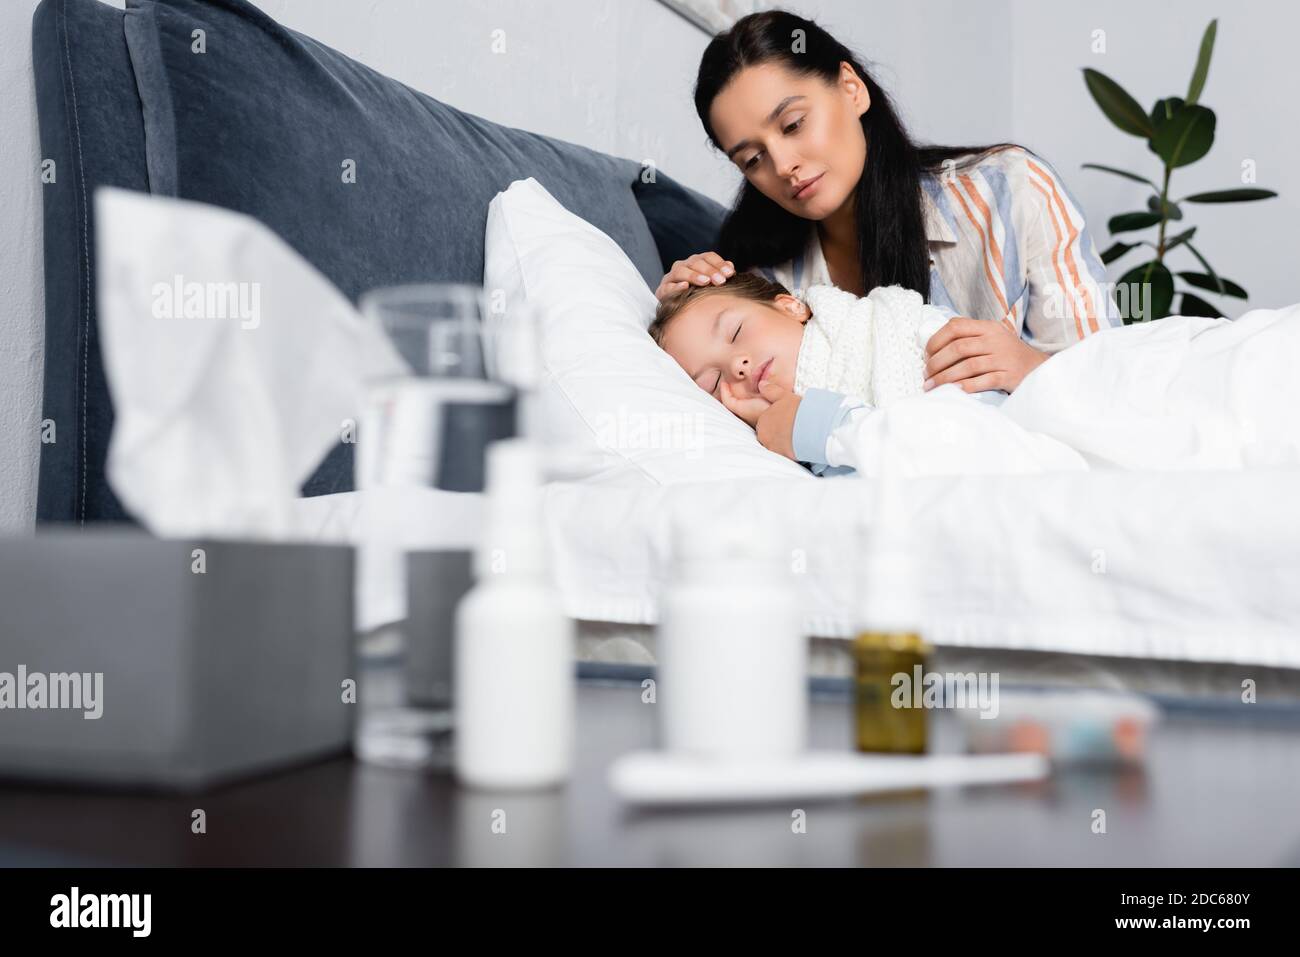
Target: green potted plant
[1179,130]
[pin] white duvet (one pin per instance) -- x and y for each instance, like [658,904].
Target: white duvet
[1180,393]
[1135,496]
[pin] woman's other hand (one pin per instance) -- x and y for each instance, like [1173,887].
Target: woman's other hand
[698,270]
[978,355]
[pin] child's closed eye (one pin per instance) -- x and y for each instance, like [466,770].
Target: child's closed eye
[718,381]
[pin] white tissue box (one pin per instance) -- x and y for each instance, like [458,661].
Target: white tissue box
[131,661]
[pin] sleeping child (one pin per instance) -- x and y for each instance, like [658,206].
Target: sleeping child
[751,344]
[1184,392]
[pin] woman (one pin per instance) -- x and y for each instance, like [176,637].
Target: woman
[836,192]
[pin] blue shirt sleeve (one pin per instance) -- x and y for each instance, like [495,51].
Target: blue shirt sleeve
[820,412]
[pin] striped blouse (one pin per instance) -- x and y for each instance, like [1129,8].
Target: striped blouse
[1008,242]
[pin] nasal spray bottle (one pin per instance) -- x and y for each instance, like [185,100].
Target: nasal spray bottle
[887,710]
[514,646]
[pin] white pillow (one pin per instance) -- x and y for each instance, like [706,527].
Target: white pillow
[623,410]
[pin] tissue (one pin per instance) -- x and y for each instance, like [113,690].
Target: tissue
[234,366]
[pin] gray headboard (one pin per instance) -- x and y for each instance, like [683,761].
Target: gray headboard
[261,121]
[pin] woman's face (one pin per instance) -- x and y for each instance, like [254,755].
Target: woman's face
[783,130]
[719,338]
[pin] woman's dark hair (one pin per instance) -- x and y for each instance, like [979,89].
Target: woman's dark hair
[758,231]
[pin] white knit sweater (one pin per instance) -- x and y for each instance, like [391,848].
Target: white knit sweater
[872,348]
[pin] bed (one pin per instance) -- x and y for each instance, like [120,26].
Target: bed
[1182,609]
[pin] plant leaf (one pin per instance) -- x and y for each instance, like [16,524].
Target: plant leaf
[1202,62]
[1204,263]
[1165,110]
[1128,221]
[1116,250]
[1171,208]
[1120,108]
[1119,172]
[1185,137]
[1175,241]
[1196,306]
[1211,282]
[1229,196]
[1149,292]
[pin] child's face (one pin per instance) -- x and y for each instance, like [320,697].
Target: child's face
[721,338]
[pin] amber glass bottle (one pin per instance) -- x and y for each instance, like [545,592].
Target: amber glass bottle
[880,723]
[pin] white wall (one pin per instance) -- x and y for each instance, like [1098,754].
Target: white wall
[1253,87]
[22,294]
[617,75]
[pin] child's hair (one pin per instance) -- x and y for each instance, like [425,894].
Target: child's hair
[743,285]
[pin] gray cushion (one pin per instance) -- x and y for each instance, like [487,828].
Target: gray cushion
[682,221]
[261,122]
[90,127]
[264,121]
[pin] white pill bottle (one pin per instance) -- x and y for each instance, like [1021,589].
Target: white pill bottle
[514,654]
[731,648]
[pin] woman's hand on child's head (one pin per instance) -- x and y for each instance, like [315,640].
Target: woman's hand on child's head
[698,270]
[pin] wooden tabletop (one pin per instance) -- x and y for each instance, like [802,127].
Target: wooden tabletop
[1218,789]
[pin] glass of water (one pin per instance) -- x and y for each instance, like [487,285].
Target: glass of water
[430,427]
[471,377]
